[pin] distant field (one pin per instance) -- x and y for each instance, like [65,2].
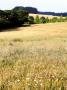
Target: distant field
[40,15]
[34,57]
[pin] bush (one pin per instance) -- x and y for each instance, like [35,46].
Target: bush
[65,19]
[54,19]
[42,20]
[31,19]
[47,20]
[37,20]
[61,19]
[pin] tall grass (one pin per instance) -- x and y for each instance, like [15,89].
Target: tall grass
[30,67]
[35,62]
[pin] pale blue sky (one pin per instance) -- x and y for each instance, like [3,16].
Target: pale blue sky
[42,5]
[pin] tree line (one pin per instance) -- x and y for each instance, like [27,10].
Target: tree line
[20,15]
[38,20]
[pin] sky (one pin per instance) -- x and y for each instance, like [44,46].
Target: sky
[41,5]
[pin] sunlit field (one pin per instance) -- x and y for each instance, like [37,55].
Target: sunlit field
[34,57]
[41,15]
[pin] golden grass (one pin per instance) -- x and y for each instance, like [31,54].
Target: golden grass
[41,30]
[34,58]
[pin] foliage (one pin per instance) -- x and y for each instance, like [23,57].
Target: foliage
[11,18]
[28,9]
[42,19]
[37,19]
[47,20]
[19,8]
[54,19]
[4,23]
[19,16]
[61,19]
[31,19]
[31,10]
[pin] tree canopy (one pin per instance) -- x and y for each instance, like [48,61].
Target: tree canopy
[14,17]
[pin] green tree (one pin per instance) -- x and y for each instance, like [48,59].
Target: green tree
[61,19]
[11,18]
[42,19]
[21,15]
[47,20]
[37,20]
[54,19]
[31,19]
[65,19]
[4,23]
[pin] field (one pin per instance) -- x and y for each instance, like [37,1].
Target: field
[34,57]
[41,15]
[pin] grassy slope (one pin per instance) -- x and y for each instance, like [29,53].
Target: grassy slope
[34,58]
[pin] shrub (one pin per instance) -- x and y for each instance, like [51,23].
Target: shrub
[61,19]
[42,20]
[37,20]
[65,19]
[31,19]
[47,20]
[54,19]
